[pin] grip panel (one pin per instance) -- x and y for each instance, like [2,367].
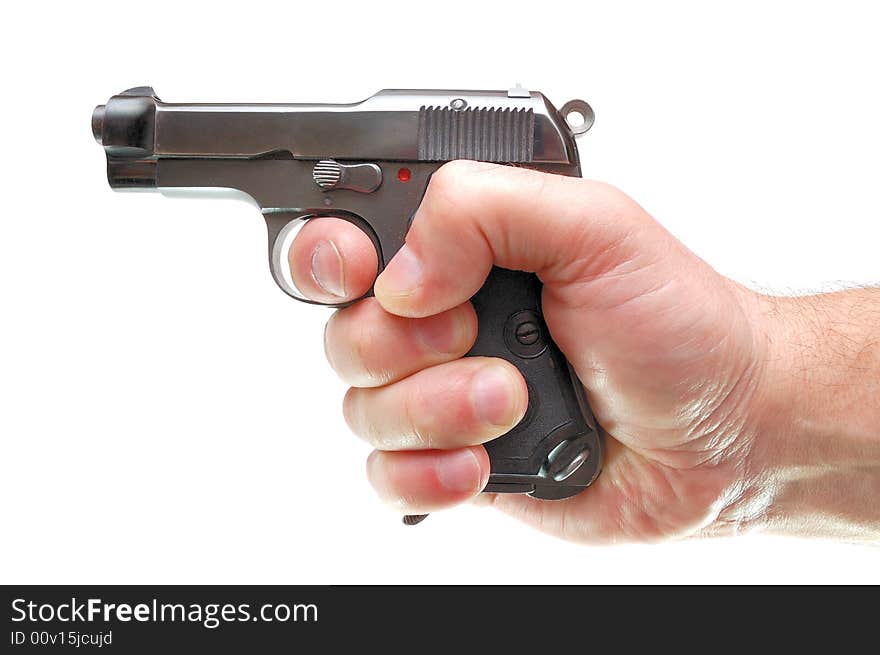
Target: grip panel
[556,450]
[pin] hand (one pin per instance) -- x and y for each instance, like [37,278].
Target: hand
[677,361]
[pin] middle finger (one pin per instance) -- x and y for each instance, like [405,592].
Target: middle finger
[368,347]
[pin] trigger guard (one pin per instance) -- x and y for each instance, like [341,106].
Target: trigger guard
[279,246]
[278,261]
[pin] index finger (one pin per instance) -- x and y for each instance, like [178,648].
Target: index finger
[332,261]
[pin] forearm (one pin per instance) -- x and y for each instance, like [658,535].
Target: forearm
[815,464]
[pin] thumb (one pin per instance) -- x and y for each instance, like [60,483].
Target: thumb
[475,215]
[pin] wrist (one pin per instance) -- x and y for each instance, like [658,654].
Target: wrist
[814,463]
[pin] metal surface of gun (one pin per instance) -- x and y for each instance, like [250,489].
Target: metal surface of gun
[370,163]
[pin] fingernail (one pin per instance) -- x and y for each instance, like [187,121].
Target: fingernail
[327,268]
[403,275]
[494,394]
[442,333]
[459,471]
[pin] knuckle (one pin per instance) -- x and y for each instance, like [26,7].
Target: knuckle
[400,499]
[382,481]
[369,368]
[332,341]
[613,200]
[351,410]
[450,179]
[452,170]
[354,348]
[459,176]
[394,489]
[418,421]
[441,416]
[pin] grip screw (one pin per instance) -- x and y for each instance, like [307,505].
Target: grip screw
[527,333]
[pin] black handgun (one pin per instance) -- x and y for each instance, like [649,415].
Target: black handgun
[369,163]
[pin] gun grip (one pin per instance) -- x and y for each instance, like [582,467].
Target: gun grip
[556,449]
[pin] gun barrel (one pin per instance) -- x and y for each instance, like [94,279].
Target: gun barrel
[391,125]
[98,123]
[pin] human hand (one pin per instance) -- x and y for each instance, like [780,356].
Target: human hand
[674,357]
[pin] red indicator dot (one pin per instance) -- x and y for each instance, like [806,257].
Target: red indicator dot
[403,175]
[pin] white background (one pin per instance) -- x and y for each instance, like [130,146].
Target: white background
[166,414]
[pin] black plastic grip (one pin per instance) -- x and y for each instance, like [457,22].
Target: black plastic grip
[556,450]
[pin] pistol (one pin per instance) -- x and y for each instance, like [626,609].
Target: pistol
[370,163]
